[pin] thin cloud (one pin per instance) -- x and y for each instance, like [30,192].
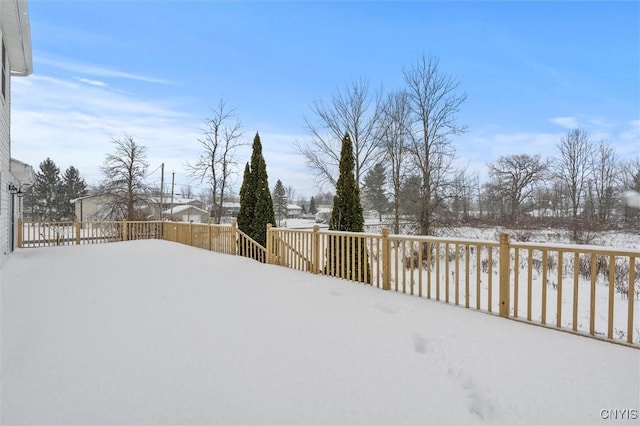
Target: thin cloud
[73,123]
[93,82]
[78,67]
[566,122]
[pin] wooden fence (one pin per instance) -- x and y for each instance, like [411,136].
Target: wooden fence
[44,234]
[225,239]
[581,289]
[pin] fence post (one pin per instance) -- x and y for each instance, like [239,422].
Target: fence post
[20,236]
[209,242]
[233,238]
[125,236]
[386,260]
[78,231]
[505,279]
[269,257]
[190,234]
[315,247]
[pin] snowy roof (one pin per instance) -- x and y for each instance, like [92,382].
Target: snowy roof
[231,204]
[293,207]
[22,172]
[176,200]
[183,208]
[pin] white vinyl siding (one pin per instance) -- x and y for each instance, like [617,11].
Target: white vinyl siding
[5,159]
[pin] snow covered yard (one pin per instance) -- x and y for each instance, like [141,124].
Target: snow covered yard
[152,332]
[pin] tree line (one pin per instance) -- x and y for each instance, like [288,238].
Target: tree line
[49,198]
[404,153]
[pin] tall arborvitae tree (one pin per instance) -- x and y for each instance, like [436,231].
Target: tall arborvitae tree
[247,201]
[347,216]
[264,204]
[280,202]
[256,205]
[73,186]
[347,211]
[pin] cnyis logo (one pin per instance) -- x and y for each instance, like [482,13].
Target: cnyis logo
[618,414]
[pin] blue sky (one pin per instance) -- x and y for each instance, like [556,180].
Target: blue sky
[155,69]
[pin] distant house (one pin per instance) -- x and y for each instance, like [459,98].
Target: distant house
[323,213]
[92,208]
[187,213]
[230,208]
[294,211]
[15,35]
[157,205]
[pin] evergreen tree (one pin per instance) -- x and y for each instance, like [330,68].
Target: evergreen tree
[263,213]
[73,186]
[45,201]
[279,202]
[256,205]
[410,196]
[373,190]
[247,202]
[347,212]
[347,216]
[312,206]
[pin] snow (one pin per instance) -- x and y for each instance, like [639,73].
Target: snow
[153,332]
[632,199]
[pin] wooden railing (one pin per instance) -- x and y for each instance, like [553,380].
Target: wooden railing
[225,239]
[586,290]
[582,289]
[44,234]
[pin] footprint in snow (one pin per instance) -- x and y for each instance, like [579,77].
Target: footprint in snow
[477,401]
[421,344]
[385,308]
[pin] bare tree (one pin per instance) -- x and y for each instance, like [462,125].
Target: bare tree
[217,163]
[290,192]
[352,110]
[462,194]
[187,192]
[493,202]
[606,166]
[434,103]
[394,134]
[514,179]
[574,165]
[124,179]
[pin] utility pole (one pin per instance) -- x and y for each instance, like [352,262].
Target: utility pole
[173,175]
[161,191]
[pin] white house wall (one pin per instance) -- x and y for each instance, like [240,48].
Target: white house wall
[5,160]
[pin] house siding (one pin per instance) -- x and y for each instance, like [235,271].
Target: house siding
[5,159]
[91,208]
